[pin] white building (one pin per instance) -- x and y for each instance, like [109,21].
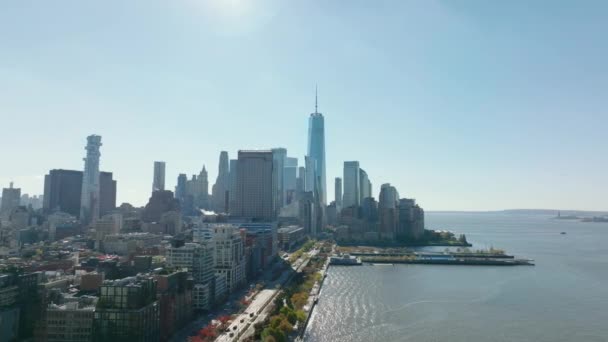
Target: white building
[197,258]
[229,255]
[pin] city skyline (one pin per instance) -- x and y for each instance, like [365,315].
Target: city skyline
[482,129]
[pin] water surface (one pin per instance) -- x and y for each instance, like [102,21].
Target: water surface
[563,298]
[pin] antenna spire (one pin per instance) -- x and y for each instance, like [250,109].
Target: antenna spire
[316,111]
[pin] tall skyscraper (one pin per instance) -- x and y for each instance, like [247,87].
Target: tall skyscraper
[159,176]
[89,202]
[301,181]
[202,193]
[11,198]
[316,148]
[180,188]
[107,193]
[254,196]
[232,185]
[220,188]
[338,193]
[411,220]
[278,182]
[290,177]
[364,185]
[351,195]
[388,211]
[311,174]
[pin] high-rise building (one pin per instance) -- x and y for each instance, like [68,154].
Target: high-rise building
[198,260]
[89,201]
[364,185]
[411,220]
[316,149]
[159,176]
[180,188]
[160,202]
[290,176]
[351,195]
[11,198]
[301,181]
[220,188]
[197,191]
[254,195]
[232,186]
[278,182]
[107,193]
[388,211]
[202,196]
[311,173]
[175,300]
[307,212]
[63,192]
[127,311]
[338,193]
[229,254]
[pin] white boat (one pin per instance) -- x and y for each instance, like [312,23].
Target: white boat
[344,259]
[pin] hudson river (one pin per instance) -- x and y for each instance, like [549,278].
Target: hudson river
[563,298]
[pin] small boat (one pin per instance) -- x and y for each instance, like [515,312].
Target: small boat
[563,233]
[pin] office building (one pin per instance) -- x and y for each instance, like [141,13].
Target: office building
[338,193]
[174,292]
[107,193]
[254,195]
[388,211]
[411,220]
[127,311]
[290,236]
[278,183]
[198,260]
[316,149]
[63,192]
[71,321]
[89,201]
[11,198]
[180,188]
[307,212]
[351,196]
[229,254]
[365,186]
[290,176]
[301,181]
[162,201]
[221,187]
[310,176]
[158,182]
[232,186]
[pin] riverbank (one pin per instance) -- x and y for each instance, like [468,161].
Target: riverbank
[314,298]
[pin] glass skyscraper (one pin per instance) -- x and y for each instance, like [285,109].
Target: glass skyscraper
[316,149]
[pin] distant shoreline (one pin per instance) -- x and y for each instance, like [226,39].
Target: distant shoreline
[524,211]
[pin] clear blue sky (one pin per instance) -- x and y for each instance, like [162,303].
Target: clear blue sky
[463,105]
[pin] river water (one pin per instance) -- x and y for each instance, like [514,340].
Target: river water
[563,298]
